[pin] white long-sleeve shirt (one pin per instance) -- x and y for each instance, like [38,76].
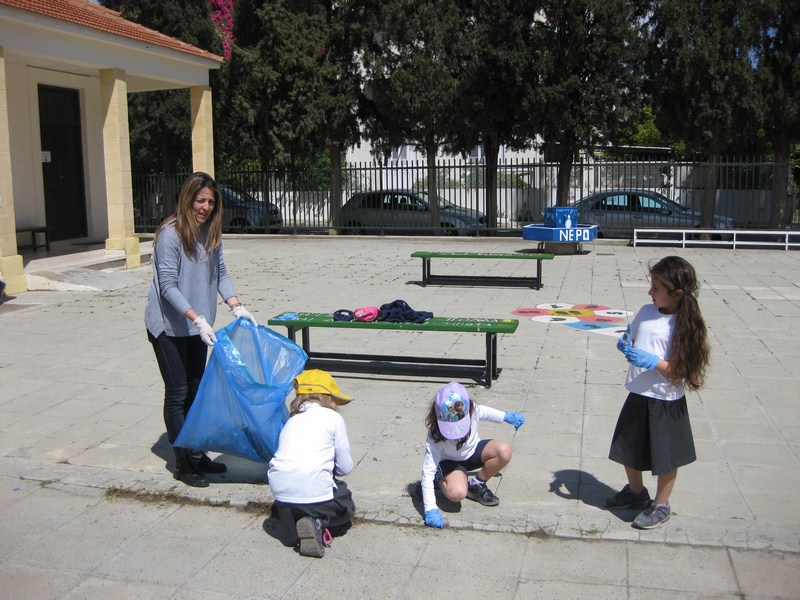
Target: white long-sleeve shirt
[435,452]
[312,447]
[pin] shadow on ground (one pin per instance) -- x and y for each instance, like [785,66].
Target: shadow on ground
[574,484]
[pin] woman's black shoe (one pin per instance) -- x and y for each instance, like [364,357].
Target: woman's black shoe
[204,464]
[185,471]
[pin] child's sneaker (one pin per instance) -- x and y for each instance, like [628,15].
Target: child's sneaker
[625,498]
[480,492]
[653,516]
[312,537]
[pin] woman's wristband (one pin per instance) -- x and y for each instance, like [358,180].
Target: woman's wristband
[236,305]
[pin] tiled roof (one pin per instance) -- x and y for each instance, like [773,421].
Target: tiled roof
[93,16]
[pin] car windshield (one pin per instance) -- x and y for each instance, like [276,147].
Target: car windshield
[668,204]
[424,198]
[236,197]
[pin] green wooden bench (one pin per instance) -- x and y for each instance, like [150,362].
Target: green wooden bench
[485,369]
[429,278]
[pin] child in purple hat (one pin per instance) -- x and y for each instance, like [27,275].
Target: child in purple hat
[453,447]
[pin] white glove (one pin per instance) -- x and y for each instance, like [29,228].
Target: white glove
[206,332]
[241,311]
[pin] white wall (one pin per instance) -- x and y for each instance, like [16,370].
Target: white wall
[24,132]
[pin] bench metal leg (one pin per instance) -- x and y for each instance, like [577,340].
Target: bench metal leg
[492,371]
[306,336]
[538,274]
[426,271]
[291,333]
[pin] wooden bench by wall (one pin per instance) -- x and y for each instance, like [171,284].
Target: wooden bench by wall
[34,240]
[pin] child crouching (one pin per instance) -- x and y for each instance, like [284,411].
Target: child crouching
[453,447]
[313,449]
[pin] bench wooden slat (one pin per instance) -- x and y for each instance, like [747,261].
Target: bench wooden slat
[476,325]
[499,255]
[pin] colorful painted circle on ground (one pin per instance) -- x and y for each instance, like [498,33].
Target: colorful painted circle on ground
[584,317]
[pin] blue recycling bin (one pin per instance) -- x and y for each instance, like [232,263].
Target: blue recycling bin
[560,216]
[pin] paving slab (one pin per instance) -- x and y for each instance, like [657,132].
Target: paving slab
[80,414]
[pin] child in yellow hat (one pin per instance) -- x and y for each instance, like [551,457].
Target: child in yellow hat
[313,449]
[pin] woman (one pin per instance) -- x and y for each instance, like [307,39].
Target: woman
[188,272]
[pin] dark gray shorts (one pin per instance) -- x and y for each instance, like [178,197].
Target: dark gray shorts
[338,512]
[653,435]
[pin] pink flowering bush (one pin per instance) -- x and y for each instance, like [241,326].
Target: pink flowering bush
[222,17]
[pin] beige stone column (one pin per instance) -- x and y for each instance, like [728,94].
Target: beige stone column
[117,155]
[11,266]
[202,130]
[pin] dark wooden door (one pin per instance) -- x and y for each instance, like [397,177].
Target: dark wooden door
[62,162]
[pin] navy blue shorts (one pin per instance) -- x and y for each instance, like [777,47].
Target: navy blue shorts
[473,463]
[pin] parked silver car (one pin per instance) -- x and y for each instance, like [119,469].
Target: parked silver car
[395,211]
[241,213]
[618,212]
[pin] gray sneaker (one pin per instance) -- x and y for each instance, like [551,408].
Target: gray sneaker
[480,492]
[653,516]
[625,498]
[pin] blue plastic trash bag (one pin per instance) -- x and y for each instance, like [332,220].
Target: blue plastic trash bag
[240,407]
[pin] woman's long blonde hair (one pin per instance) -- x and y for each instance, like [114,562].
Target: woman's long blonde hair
[183,217]
[325,400]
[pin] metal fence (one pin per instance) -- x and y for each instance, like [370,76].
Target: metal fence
[296,201]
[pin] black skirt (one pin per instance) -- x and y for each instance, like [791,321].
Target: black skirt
[653,435]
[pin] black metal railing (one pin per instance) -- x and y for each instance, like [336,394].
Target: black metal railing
[298,200]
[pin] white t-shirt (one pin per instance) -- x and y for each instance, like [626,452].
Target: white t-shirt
[313,446]
[652,330]
[435,452]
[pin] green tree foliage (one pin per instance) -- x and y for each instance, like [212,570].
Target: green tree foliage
[496,85]
[160,122]
[410,77]
[778,61]
[590,69]
[291,89]
[703,78]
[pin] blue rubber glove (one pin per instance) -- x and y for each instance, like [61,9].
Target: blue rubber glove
[514,418]
[287,316]
[433,518]
[642,358]
[624,342]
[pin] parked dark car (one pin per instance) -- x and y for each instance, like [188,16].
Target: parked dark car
[241,213]
[618,212]
[404,210]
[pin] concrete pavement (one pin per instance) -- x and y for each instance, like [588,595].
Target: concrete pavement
[89,507]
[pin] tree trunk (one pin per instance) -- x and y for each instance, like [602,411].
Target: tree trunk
[710,188]
[433,186]
[780,182]
[491,149]
[564,176]
[335,197]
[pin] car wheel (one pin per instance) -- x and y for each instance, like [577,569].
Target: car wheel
[353,228]
[239,225]
[447,229]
